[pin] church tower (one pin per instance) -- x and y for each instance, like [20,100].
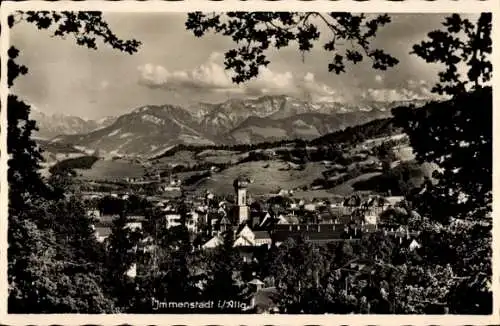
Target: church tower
[240,187]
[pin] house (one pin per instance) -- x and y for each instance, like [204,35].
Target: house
[262,238]
[287,219]
[245,238]
[214,226]
[93,213]
[264,300]
[311,207]
[192,221]
[170,188]
[134,225]
[107,220]
[132,271]
[147,244]
[224,224]
[316,233]
[242,241]
[414,245]
[248,238]
[371,218]
[222,210]
[172,219]
[160,204]
[245,231]
[256,283]
[393,200]
[213,243]
[102,232]
[284,193]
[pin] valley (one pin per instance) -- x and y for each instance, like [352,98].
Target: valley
[331,166]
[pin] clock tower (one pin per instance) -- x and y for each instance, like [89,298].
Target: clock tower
[240,188]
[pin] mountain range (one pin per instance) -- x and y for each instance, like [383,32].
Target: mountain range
[152,129]
[52,125]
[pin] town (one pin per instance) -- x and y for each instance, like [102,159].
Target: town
[249,162]
[255,223]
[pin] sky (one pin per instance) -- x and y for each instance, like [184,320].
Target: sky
[174,67]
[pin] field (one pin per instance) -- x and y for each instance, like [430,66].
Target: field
[221,157]
[346,187]
[267,176]
[179,158]
[189,158]
[311,194]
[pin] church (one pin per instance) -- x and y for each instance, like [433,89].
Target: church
[241,211]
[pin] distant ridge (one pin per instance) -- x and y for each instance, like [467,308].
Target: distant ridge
[52,125]
[150,130]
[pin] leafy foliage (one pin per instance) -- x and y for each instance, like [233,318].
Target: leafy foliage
[224,269]
[459,140]
[450,133]
[86,27]
[399,181]
[25,157]
[258,31]
[50,267]
[449,48]
[54,261]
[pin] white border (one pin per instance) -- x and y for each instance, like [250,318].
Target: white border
[408,6]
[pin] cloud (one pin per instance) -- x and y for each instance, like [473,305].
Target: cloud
[104,84]
[211,77]
[411,90]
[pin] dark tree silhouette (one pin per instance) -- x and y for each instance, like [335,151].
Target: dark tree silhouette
[258,31]
[449,48]
[51,276]
[457,134]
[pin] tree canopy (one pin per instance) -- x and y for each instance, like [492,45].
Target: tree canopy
[54,262]
[259,31]
[457,134]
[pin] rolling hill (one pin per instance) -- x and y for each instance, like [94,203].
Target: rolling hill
[305,126]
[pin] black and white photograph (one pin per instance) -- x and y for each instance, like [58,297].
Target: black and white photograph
[249,162]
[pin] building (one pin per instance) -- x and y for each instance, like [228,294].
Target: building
[240,187]
[172,219]
[102,233]
[93,213]
[103,226]
[192,221]
[249,238]
[213,243]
